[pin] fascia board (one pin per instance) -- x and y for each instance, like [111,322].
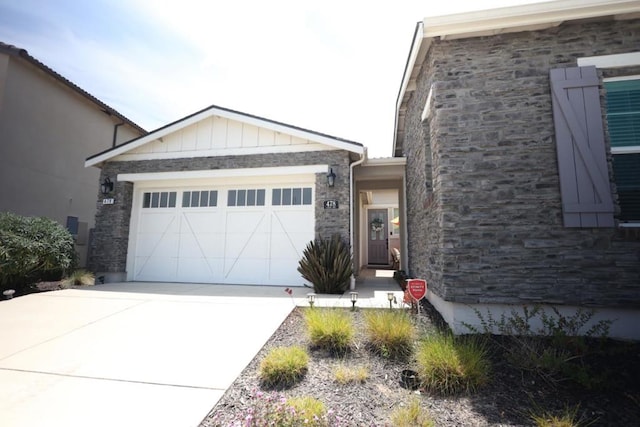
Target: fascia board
[534,15]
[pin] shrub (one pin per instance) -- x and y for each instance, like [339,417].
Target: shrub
[447,365]
[553,351]
[331,329]
[568,418]
[33,249]
[283,366]
[351,374]
[269,409]
[308,410]
[390,332]
[411,415]
[327,265]
[79,278]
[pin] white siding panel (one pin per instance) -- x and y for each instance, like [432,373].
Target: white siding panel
[203,137]
[299,141]
[266,137]
[249,136]
[219,133]
[173,142]
[283,139]
[190,137]
[234,134]
[188,144]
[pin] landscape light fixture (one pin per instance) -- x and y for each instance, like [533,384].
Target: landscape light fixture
[107,186]
[354,298]
[331,178]
[390,297]
[311,297]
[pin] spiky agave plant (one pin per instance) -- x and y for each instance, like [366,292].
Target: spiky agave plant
[326,263]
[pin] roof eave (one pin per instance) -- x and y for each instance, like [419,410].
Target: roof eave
[527,17]
[336,142]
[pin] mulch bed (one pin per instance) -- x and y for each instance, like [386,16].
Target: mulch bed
[507,400]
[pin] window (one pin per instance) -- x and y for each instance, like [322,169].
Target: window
[252,197]
[395,222]
[623,119]
[291,196]
[159,199]
[199,199]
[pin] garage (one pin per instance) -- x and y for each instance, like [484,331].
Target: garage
[240,234]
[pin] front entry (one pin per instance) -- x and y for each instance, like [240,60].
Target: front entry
[378,236]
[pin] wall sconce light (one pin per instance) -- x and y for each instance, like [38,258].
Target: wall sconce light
[311,297]
[390,297]
[331,178]
[107,186]
[354,298]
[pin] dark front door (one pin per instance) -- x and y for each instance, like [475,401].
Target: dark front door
[377,224]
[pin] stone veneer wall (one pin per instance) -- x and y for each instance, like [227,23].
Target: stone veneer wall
[484,208]
[111,233]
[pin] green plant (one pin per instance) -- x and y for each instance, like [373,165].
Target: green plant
[269,409]
[33,249]
[447,365]
[411,415]
[79,278]
[309,410]
[331,329]
[554,350]
[283,366]
[568,418]
[327,265]
[351,374]
[390,332]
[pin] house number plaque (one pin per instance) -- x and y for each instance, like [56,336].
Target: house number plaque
[331,204]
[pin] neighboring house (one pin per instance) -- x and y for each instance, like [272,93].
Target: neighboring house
[48,126]
[221,197]
[516,192]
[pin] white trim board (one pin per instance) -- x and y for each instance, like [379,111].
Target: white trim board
[222,173]
[611,61]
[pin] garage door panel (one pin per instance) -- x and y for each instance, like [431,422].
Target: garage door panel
[156,268]
[246,271]
[295,221]
[157,222]
[203,222]
[207,270]
[283,271]
[222,244]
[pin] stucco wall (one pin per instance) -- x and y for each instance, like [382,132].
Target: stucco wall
[109,250]
[484,207]
[46,132]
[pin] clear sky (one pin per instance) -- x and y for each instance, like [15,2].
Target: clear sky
[330,66]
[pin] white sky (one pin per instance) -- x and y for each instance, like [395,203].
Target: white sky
[330,66]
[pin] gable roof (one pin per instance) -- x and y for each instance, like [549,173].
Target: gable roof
[215,110]
[528,17]
[23,54]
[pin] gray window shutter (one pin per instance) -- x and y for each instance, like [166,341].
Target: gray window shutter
[582,160]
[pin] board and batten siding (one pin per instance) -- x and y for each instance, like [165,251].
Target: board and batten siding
[216,135]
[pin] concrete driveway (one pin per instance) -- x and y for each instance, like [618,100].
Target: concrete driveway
[130,353]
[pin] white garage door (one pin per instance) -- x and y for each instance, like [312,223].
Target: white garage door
[247,235]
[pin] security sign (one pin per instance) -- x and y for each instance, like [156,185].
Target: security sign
[417,288]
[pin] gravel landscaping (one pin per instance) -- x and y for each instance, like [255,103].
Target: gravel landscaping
[509,399]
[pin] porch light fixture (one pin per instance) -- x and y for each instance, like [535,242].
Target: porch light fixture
[311,297]
[107,186]
[390,297]
[354,298]
[331,178]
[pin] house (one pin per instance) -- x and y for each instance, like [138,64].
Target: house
[521,132]
[221,196]
[48,126]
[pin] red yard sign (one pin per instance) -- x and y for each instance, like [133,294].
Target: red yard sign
[417,288]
